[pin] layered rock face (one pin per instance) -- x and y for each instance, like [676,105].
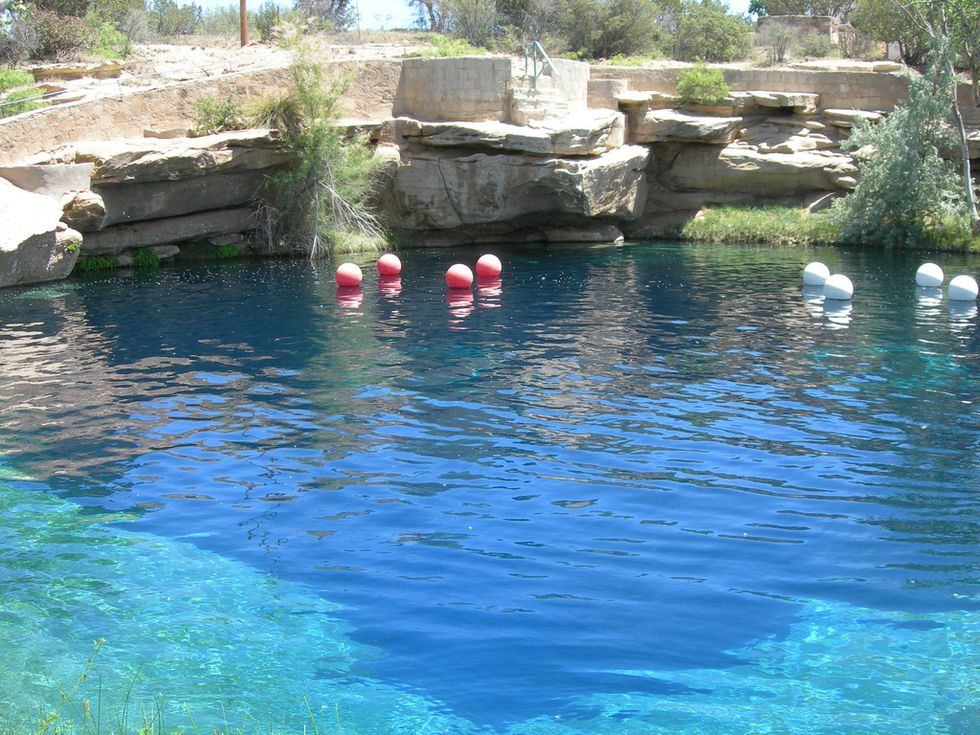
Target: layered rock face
[636,161]
[124,196]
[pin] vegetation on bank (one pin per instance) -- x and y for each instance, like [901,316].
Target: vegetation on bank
[702,85]
[795,226]
[769,224]
[320,202]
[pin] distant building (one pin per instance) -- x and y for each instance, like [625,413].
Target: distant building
[823,25]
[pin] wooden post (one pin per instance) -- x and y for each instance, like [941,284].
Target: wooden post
[243,17]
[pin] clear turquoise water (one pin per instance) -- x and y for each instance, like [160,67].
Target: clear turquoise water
[633,490]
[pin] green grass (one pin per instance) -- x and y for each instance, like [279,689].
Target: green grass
[10,78]
[442,46]
[620,60]
[768,224]
[778,225]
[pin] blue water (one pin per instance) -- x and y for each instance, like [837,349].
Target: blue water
[631,490]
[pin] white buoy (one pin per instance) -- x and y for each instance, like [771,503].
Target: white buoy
[815,274]
[929,275]
[963,288]
[838,287]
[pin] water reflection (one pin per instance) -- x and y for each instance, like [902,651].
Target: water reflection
[350,297]
[928,297]
[460,303]
[489,291]
[390,286]
[838,313]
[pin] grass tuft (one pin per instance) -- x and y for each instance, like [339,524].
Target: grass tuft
[146,258]
[94,263]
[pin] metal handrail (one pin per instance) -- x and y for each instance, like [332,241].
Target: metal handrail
[532,52]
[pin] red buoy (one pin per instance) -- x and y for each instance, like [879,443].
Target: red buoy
[459,276]
[348,274]
[488,266]
[389,265]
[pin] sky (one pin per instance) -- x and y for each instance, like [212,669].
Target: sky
[382,14]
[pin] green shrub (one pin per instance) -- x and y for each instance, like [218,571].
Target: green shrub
[10,106]
[217,115]
[814,45]
[10,78]
[706,32]
[105,39]
[280,112]
[702,85]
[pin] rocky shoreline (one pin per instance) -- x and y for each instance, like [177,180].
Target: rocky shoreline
[475,153]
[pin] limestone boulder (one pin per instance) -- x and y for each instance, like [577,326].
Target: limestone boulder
[744,169]
[584,133]
[611,185]
[54,180]
[772,137]
[847,118]
[660,126]
[801,102]
[487,135]
[83,211]
[587,133]
[435,191]
[35,246]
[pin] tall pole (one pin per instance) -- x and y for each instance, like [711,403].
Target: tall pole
[357,15]
[243,17]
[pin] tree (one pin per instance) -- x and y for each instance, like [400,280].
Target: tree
[474,20]
[329,14]
[884,21]
[908,191]
[707,32]
[933,17]
[836,8]
[431,14]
